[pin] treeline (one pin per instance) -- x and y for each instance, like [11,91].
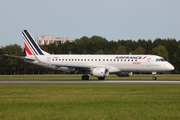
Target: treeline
[167,48]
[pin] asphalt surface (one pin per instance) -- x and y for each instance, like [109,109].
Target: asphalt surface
[89,82]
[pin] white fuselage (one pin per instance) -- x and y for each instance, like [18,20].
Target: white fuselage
[114,63]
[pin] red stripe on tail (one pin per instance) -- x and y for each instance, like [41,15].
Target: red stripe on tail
[27,49]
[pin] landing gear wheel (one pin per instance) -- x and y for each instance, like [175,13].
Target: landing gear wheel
[85,77]
[101,78]
[154,77]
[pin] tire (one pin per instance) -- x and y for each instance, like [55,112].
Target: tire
[101,78]
[85,77]
[154,78]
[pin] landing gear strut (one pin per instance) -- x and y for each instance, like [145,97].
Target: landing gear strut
[154,76]
[85,77]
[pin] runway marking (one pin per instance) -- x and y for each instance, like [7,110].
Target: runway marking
[90,82]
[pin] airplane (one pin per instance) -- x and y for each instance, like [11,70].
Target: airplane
[99,66]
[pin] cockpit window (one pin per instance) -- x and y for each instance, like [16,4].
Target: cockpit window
[163,59]
[160,59]
[157,60]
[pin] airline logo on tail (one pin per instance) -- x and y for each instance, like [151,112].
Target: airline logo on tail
[30,45]
[28,51]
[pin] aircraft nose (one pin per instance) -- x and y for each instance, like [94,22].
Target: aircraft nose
[170,67]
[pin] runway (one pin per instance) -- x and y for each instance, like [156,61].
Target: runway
[90,82]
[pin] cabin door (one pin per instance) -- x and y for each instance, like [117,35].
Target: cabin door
[148,62]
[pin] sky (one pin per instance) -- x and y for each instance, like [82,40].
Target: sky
[111,19]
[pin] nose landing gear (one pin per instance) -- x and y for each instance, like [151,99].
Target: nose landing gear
[154,76]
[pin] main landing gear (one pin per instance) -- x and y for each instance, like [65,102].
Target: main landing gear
[86,77]
[154,76]
[101,78]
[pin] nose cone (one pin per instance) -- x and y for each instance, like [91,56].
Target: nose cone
[170,67]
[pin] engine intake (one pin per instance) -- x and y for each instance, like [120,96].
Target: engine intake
[100,72]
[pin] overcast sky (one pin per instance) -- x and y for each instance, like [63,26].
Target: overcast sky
[111,19]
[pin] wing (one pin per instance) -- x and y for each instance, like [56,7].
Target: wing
[21,57]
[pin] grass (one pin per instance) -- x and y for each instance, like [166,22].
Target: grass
[78,77]
[89,102]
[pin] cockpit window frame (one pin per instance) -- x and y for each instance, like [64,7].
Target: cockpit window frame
[160,60]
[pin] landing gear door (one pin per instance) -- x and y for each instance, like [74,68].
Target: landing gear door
[148,62]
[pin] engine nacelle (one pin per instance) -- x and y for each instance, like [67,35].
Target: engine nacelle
[100,72]
[124,74]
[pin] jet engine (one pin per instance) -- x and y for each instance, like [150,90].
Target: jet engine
[124,74]
[100,72]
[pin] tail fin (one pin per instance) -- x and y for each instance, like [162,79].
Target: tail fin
[28,51]
[31,47]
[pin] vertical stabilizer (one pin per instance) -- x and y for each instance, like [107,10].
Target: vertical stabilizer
[31,46]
